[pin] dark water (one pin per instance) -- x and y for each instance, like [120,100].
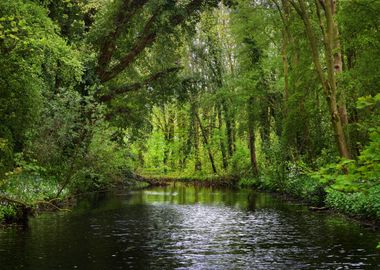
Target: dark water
[189,228]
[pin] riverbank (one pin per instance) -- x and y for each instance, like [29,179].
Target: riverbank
[210,181]
[19,200]
[363,207]
[357,206]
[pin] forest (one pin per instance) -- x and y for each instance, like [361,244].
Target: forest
[275,95]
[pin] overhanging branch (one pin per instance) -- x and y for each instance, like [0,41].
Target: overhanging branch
[138,85]
[148,37]
[126,12]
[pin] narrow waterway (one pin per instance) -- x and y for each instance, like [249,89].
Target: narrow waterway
[186,227]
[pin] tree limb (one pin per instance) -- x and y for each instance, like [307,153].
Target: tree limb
[135,86]
[147,38]
[126,13]
[11,200]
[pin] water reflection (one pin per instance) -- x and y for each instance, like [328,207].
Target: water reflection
[184,227]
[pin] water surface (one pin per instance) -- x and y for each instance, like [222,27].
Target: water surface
[185,227]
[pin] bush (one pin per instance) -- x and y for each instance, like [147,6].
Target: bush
[26,185]
[249,182]
[306,188]
[364,204]
[105,164]
[7,212]
[240,161]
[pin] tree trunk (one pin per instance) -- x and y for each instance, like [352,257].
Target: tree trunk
[229,131]
[334,66]
[252,151]
[329,84]
[286,69]
[206,144]
[251,141]
[195,124]
[140,155]
[221,140]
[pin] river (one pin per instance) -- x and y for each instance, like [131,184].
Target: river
[187,227]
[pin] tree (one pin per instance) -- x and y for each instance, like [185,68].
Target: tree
[330,36]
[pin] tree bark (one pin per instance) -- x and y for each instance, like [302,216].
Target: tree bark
[334,67]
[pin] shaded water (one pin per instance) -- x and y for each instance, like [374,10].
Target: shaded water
[179,227]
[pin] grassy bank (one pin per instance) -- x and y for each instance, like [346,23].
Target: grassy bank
[363,205]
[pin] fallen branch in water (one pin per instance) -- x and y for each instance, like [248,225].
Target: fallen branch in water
[51,204]
[11,200]
[31,205]
[313,208]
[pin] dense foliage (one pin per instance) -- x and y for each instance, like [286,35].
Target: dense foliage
[282,94]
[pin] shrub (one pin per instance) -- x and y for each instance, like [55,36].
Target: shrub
[365,204]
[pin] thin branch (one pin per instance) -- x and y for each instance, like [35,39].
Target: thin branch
[29,205]
[297,8]
[280,12]
[318,7]
[11,200]
[49,203]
